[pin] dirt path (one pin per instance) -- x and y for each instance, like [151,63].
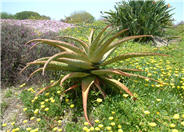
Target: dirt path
[11,108]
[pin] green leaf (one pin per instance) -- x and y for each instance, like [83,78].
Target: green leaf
[63,54]
[77,63]
[119,42]
[59,43]
[90,38]
[99,52]
[96,41]
[83,44]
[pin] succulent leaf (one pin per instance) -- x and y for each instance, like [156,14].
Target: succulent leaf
[119,84]
[86,84]
[73,75]
[63,54]
[70,88]
[59,43]
[95,43]
[130,55]
[83,44]
[100,51]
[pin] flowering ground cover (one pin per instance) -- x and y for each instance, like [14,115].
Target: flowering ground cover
[159,107]
[40,25]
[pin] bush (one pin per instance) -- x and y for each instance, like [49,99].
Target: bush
[80,17]
[30,15]
[39,17]
[5,15]
[15,54]
[141,17]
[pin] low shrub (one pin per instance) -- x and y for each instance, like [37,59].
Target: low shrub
[5,15]
[80,17]
[15,54]
[30,15]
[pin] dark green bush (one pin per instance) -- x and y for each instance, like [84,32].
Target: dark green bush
[26,15]
[141,17]
[15,54]
[80,17]
[30,15]
[5,15]
[39,17]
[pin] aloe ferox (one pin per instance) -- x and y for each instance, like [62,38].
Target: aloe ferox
[87,61]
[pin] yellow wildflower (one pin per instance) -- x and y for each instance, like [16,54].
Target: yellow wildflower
[58,92]
[158,100]
[25,109]
[59,121]
[22,85]
[25,121]
[42,103]
[108,128]
[85,128]
[86,123]
[182,116]
[152,124]
[113,112]
[182,123]
[119,126]
[92,129]
[66,100]
[176,116]
[38,119]
[97,121]
[36,111]
[60,129]
[125,95]
[97,128]
[172,125]
[51,81]
[4,124]
[55,129]
[146,112]
[28,129]
[99,100]
[174,130]
[13,123]
[72,105]
[111,118]
[46,109]
[32,118]
[113,124]
[47,94]
[100,125]
[120,130]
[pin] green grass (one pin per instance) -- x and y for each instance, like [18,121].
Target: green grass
[8,93]
[4,106]
[159,107]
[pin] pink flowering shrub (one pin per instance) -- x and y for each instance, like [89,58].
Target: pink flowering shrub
[42,26]
[15,55]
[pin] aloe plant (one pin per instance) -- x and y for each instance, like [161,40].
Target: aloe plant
[141,17]
[87,63]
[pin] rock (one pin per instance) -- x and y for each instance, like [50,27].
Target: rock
[159,42]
